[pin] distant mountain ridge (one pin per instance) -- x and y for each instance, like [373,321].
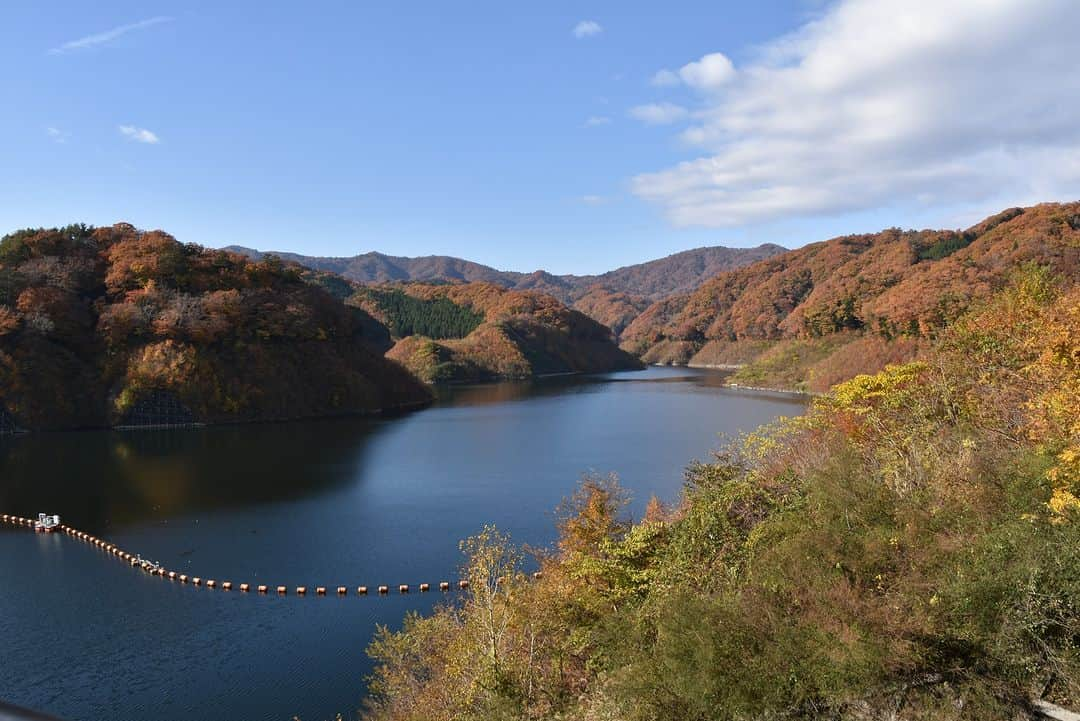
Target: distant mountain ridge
[678,273]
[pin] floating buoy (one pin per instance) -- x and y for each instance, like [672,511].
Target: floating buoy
[155,570]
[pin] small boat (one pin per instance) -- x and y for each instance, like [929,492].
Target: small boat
[46,523]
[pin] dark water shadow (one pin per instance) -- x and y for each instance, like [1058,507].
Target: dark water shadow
[113,478]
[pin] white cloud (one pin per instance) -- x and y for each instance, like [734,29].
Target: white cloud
[595,121]
[665,79]
[104,37]
[139,135]
[658,113]
[587,28]
[593,200]
[886,102]
[57,135]
[711,72]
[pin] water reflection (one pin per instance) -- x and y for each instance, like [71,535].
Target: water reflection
[497,393]
[119,477]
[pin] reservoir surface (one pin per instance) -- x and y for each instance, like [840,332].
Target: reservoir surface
[348,501]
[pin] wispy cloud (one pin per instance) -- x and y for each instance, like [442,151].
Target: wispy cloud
[587,28]
[658,113]
[665,79]
[595,121]
[107,36]
[593,200]
[139,135]
[57,135]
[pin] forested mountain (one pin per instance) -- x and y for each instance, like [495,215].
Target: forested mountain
[115,325]
[830,309]
[678,273]
[475,331]
[908,549]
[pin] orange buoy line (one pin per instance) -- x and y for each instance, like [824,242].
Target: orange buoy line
[155,569]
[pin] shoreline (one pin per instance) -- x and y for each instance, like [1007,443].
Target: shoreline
[738,386]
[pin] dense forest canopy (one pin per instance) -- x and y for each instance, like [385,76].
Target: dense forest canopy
[437,318]
[94,319]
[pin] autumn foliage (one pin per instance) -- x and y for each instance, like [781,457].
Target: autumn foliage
[92,320]
[909,549]
[516,334]
[889,285]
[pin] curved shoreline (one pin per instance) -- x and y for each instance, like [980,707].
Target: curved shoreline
[735,367]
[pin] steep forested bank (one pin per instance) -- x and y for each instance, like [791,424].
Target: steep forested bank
[812,316]
[479,331]
[116,325]
[910,549]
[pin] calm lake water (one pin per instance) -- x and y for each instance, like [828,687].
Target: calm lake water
[334,502]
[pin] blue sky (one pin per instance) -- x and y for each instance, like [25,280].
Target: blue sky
[570,136]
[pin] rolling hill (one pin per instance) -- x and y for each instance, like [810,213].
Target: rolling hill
[478,331]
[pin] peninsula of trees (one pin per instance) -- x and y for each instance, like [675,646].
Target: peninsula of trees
[479,331]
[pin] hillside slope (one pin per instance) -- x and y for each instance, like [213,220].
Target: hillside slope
[908,550]
[873,289]
[119,326]
[478,331]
